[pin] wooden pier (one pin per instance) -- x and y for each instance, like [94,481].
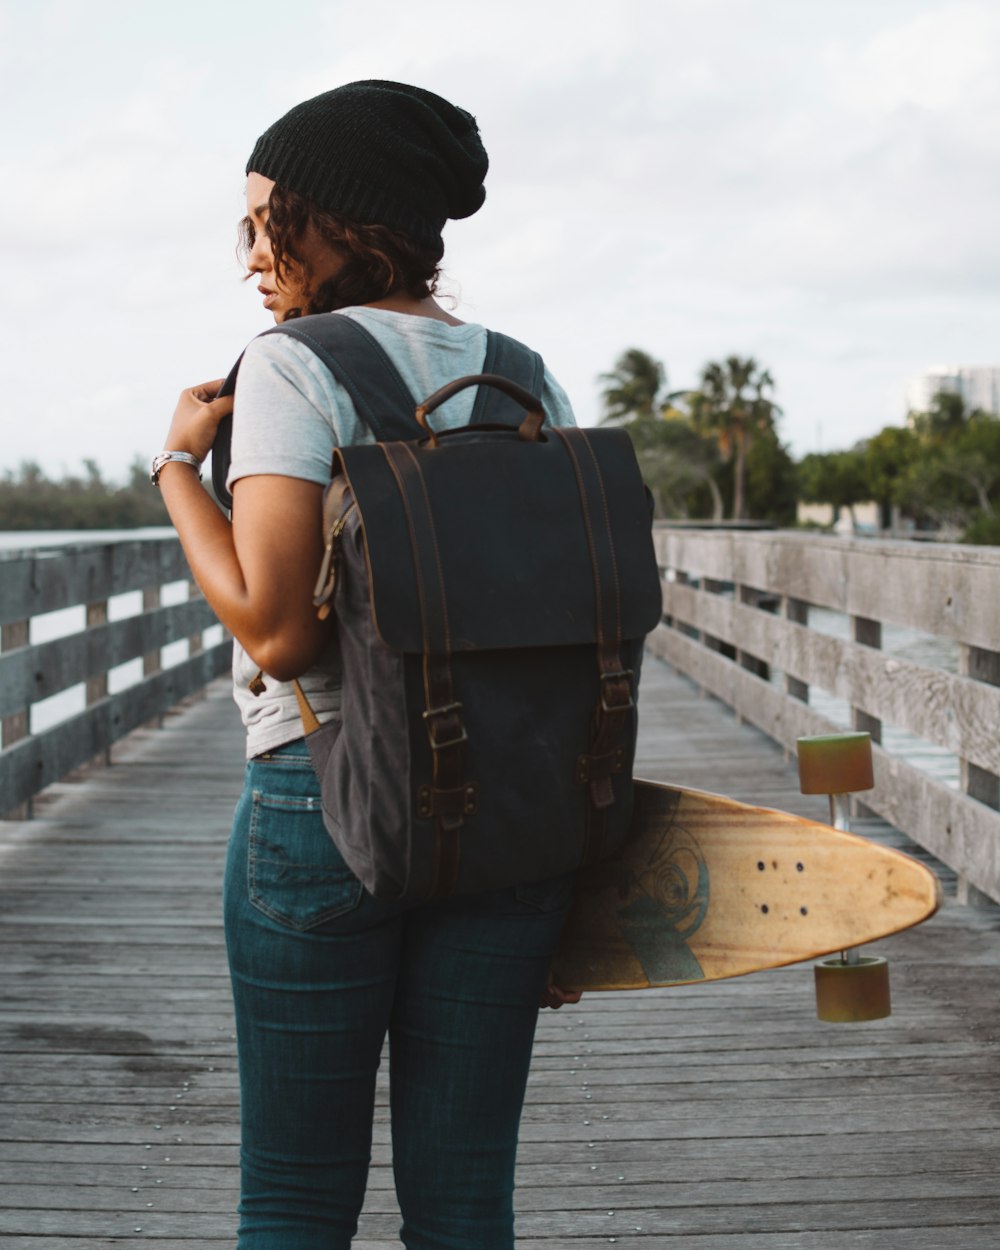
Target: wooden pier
[721,1117]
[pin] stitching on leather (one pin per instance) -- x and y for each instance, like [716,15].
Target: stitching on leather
[581,437]
[388,450]
[408,451]
[581,487]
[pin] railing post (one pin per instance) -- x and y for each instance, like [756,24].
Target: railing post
[97,687]
[750,597]
[194,642]
[152,661]
[711,586]
[797,611]
[18,725]
[869,634]
[978,783]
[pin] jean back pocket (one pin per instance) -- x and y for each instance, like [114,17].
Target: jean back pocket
[296,874]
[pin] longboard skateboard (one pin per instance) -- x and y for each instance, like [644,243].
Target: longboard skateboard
[706,888]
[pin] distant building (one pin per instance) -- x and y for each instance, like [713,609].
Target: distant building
[979,386]
[862,518]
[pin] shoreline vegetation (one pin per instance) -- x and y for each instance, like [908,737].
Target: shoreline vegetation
[31,500]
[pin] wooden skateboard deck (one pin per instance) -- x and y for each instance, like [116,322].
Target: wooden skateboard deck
[706,888]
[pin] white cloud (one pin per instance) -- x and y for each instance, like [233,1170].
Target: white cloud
[945,59]
[696,177]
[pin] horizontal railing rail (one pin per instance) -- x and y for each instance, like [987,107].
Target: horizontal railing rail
[738,606]
[86,582]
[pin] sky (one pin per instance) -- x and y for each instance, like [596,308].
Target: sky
[813,183]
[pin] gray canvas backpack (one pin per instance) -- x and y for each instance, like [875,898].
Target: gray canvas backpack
[490,588]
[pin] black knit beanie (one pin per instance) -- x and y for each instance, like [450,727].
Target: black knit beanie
[380,153]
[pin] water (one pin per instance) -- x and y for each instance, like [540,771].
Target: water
[65,621]
[31,540]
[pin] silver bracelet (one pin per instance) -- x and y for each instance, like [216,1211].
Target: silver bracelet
[185,457]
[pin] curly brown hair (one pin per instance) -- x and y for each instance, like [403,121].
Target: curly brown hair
[377,261]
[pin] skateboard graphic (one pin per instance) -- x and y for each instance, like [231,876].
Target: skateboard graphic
[706,888]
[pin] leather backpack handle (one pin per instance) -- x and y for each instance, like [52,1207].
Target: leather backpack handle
[530,428]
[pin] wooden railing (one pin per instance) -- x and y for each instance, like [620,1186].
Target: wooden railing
[737,610]
[88,578]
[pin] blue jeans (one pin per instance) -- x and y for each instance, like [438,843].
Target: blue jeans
[321,971]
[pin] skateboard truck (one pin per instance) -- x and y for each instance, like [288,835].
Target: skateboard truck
[850,987]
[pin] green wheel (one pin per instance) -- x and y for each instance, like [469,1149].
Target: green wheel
[849,993]
[835,763]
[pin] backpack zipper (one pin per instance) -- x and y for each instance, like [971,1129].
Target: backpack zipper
[326,583]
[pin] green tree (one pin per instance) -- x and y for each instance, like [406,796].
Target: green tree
[633,387]
[29,500]
[955,482]
[678,466]
[887,457]
[732,405]
[772,481]
[946,417]
[836,477]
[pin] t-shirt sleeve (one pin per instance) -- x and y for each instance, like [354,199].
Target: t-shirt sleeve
[289,413]
[556,403]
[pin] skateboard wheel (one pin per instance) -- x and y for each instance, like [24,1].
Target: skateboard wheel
[852,993]
[835,764]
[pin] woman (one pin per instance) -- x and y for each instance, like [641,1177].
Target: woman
[346,198]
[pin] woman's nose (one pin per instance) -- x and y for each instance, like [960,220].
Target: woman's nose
[259,259]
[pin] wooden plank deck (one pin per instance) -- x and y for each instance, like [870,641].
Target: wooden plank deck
[720,1117]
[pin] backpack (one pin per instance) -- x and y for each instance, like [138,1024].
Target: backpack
[491,588]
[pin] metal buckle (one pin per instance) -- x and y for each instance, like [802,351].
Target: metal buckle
[625,675]
[444,710]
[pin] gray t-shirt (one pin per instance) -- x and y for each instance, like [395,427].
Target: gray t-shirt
[290,414]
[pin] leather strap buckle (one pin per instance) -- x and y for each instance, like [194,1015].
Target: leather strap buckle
[616,691]
[453,711]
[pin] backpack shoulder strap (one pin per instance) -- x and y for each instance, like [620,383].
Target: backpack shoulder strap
[512,360]
[380,396]
[362,367]
[359,363]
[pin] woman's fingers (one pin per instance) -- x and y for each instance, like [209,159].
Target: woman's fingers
[555,997]
[208,391]
[196,418]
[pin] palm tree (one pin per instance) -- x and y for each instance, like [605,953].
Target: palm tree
[731,405]
[632,388]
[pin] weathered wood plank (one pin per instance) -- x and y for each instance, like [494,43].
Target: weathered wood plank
[35,762]
[35,672]
[841,1212]
[50,578]
[959,831]
[957,713]
[719,1117]
[947,590]
[977,780]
